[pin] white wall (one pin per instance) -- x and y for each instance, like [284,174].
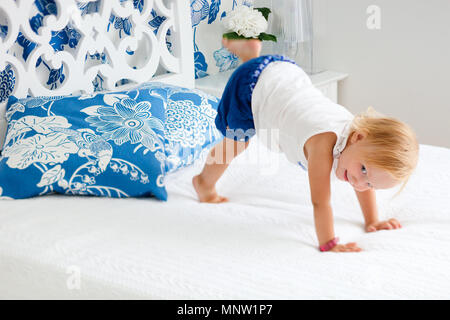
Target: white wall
[402,70]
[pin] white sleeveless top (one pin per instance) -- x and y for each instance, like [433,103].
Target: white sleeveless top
[288,110]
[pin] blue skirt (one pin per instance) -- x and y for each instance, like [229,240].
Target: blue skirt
[234,114]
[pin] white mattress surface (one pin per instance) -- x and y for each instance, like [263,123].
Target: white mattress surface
[260,245]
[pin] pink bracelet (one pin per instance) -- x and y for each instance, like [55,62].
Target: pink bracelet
[329,245]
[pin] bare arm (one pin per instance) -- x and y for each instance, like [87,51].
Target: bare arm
[319,168]
[368,203]
[320,162]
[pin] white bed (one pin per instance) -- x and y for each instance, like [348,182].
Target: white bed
[261,244]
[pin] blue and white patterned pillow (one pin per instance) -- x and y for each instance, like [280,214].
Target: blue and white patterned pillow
[189,130]
[109,144]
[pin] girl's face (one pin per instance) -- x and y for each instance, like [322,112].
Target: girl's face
[353,169]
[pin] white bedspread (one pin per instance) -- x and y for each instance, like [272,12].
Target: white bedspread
[261,244]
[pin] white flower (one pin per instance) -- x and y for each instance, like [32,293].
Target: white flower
[42,125]
[52,148]
[246,22]
[187,123]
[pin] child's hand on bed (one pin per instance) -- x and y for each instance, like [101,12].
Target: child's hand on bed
[383,225]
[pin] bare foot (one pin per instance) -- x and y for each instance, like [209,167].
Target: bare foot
[244,49]
[206,194]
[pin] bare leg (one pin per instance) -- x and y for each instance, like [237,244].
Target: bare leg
[244,49]
[223,153]
[218,161]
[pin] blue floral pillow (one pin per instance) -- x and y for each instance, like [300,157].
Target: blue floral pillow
[189,130]
[109,144]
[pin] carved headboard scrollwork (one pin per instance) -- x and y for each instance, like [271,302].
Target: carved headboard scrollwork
[147,25]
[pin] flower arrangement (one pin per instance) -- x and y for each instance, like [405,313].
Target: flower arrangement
[248,23]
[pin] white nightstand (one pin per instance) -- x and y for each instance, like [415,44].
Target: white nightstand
[326,81]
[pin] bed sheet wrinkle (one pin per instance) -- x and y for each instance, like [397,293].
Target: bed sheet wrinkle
[260,245]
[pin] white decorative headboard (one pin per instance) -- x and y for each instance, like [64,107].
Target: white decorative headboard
[175,67]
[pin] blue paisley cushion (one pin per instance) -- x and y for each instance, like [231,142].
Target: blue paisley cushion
[189,130]
[109,144]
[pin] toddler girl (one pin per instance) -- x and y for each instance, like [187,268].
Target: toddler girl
[272,93]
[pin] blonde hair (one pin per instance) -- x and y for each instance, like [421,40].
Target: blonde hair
[391,144]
